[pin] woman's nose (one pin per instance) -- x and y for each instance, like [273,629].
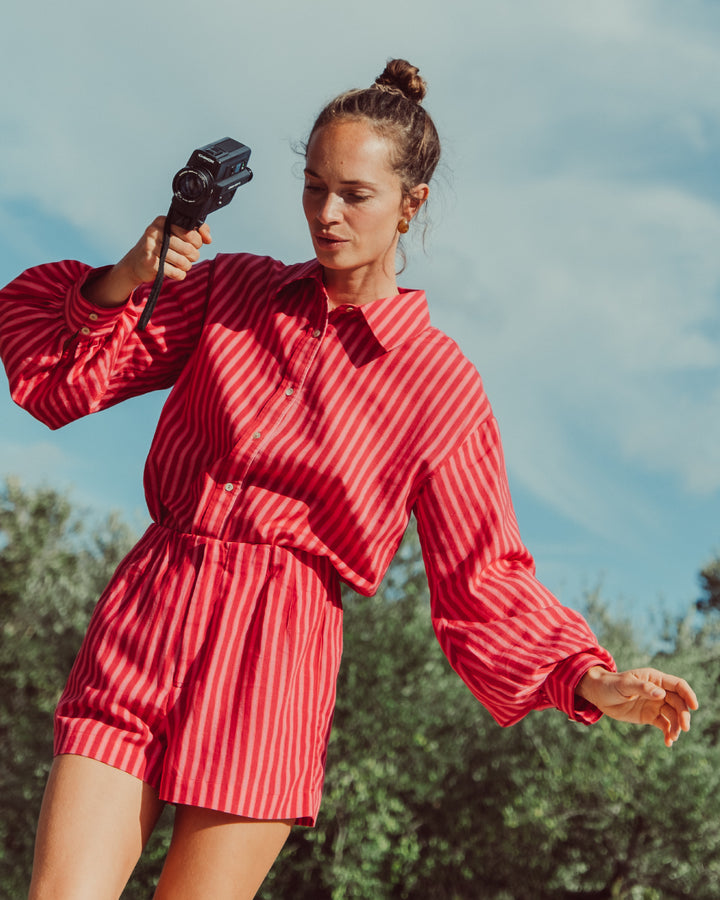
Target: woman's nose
[329,209]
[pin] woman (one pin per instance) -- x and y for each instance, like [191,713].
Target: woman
[313,409]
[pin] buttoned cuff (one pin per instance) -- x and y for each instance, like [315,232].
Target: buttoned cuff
[562,683]
[85,318]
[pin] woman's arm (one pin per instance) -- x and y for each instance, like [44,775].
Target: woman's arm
[68,334]
[507,637]
[510,640]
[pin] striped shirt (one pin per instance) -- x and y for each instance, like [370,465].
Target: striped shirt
[321,431]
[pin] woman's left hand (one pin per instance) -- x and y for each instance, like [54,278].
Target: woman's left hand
[645,696]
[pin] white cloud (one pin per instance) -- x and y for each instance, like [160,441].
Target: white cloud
[575,253]
[597,302]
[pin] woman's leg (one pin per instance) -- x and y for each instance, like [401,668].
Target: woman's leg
[213,854]
[94,822]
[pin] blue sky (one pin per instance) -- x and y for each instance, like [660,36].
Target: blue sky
[573,250]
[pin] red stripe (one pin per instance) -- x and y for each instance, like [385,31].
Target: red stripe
[296,431]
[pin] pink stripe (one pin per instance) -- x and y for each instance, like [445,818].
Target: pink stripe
[296,431]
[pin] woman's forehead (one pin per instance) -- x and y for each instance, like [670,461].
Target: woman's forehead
[352,150]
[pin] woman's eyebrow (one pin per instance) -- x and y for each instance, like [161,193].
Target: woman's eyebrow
[349,181]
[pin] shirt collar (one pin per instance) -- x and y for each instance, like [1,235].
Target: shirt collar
[392,320]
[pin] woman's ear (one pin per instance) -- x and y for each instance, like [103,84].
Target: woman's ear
[414,199]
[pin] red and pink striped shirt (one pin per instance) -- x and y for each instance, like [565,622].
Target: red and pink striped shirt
[319,430]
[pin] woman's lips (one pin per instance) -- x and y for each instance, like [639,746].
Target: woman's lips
[329,240]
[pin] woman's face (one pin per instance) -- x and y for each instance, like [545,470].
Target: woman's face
[353,201]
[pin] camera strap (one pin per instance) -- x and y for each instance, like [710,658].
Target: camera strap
[157,284]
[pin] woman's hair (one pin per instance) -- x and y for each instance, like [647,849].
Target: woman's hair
[392,106]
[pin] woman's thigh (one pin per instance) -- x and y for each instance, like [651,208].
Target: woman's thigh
[214,854]
[94,822]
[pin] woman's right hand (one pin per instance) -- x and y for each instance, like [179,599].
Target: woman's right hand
[140,265]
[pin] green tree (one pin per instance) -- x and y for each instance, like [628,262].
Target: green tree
[710,583]
[51,573]
[426,797]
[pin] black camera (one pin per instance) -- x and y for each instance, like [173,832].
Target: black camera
[208,181]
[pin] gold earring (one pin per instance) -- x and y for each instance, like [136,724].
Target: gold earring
[403,226]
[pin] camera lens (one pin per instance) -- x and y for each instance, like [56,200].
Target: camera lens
[190,184]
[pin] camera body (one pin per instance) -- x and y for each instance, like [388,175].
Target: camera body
[208,181]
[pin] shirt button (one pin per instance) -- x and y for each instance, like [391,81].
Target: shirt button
[317,333]
[289,392]
[84,330]
[229,487]
[257,435]
[93,317]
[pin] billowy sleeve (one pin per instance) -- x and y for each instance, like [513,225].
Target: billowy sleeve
[66,357]
[510,640]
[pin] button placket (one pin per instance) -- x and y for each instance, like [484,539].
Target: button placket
[241,459]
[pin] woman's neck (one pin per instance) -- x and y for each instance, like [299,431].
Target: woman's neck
[358,287]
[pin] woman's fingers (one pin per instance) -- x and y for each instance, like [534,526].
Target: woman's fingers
[183,248]
[182,253]
[680,708]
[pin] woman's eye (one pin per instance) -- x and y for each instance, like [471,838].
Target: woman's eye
[357,198]
[313,188]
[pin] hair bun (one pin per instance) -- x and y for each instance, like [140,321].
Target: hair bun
[399,75]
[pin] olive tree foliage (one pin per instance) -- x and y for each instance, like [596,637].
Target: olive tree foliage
[710,584]
[426,796]
[53,565]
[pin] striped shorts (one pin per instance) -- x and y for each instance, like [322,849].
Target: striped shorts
[208,671]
